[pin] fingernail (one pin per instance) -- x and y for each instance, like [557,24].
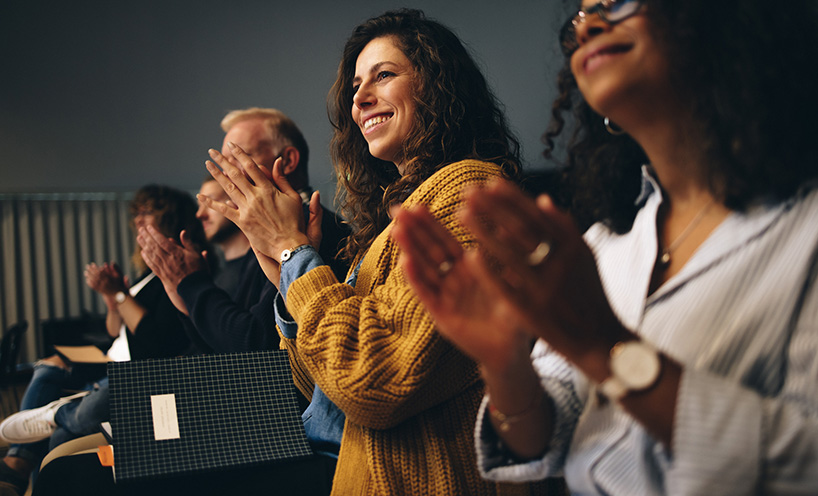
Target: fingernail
[231,145]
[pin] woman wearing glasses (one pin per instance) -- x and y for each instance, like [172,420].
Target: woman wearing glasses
[678,338]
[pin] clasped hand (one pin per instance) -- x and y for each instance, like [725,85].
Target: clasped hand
[543,280]
[106,280]
[267,209]
[170,261]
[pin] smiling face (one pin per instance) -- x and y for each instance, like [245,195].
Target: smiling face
[620,67]
[383,104]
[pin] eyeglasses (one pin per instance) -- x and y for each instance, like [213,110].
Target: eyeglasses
[610,11]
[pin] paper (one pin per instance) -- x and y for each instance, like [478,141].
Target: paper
[83,354]
[106,431]
[165,420]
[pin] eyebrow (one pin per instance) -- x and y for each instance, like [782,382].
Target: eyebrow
[374,68]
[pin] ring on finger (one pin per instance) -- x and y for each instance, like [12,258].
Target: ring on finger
[445,267]
[539,253]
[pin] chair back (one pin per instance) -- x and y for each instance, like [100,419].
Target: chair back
[10,350]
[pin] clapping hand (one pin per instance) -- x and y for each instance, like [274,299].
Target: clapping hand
[106,280]
[170,261]
[267,209]
[458,290]
[547,285]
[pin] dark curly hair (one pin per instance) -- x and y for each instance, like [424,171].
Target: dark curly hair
[742,66]
[457,117]
[175,210]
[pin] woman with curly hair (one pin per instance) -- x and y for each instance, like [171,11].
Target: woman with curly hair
[677,350]
[415,123]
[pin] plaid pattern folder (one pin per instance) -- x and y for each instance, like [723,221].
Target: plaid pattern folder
[190,414]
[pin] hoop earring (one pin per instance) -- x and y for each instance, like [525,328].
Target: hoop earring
[613,128]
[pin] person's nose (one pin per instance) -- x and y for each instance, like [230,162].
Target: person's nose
[201,213]
[588,26]
[364,97]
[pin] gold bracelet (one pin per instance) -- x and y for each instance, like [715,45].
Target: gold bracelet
[505,421]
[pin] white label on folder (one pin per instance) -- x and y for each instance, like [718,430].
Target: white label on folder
[165,421]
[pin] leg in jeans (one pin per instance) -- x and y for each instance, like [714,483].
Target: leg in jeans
[83,416]
[47,384]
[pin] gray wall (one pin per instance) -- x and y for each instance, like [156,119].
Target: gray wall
[108,96]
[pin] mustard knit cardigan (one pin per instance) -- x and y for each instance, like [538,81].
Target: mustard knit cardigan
[410,398]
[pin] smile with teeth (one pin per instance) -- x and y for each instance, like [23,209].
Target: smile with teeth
[376,120]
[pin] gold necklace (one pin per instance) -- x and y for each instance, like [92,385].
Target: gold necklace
[664,259]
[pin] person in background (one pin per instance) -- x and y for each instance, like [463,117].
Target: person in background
[267,134]
[229,312]
[415,123]
[140,317]
[676,349]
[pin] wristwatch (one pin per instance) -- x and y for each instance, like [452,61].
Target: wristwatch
[119,297]
[635,366]
[287,254]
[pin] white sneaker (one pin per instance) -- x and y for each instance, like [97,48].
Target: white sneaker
[30,426]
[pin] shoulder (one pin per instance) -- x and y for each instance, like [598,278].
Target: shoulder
[447,184]
[466,171]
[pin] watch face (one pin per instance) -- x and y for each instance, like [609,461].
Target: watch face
[636,364]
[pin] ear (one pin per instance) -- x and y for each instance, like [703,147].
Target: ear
[291,157]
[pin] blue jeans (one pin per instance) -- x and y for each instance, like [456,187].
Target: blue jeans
[48,383]
[83,416]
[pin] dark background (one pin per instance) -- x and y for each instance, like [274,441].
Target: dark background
[108,96]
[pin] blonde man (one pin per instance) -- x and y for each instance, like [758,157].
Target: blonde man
[267,134]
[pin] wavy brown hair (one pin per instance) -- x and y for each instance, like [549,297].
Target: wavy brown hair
[174,210]
[456,117]
[739,65]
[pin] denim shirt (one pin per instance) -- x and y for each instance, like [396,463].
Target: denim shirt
[323,421]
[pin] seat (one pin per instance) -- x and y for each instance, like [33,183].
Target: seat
[9,356]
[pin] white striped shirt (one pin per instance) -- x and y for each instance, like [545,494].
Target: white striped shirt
[742,317]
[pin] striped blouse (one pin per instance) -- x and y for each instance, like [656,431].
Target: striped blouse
[742,316]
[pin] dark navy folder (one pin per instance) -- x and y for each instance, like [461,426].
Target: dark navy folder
[192,414]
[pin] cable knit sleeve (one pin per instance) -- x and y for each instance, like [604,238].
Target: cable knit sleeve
[373,349]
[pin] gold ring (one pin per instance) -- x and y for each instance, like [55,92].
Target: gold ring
[539,254]
[445,267]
